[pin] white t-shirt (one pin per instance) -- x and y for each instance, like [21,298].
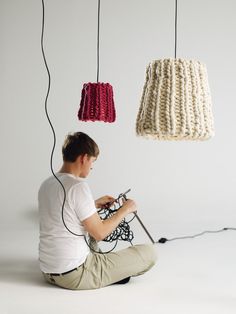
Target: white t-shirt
[59,250]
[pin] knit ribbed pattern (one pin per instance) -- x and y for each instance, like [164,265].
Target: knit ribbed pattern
[97,103]
[176,102]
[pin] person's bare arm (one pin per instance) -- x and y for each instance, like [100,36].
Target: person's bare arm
[100,229]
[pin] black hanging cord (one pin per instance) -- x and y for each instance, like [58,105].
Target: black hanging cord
[48,91]
[128,237]
[48,118]
[176,13]
[98,40]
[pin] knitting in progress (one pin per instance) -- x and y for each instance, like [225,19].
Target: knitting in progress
[176,102]
[97,103]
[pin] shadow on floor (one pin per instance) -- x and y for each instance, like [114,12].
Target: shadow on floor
[21,271]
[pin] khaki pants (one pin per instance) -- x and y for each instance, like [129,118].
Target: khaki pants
[100,270]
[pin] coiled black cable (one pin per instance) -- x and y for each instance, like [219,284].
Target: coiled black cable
[122,232]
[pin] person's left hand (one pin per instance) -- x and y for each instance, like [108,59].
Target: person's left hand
[104,200]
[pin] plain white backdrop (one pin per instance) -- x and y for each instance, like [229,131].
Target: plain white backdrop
[181,188]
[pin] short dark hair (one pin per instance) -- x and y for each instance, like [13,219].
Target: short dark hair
[77,144]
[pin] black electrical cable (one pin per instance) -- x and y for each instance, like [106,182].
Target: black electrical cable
[122,232]
[164,240]
[123,227]
[176,13]
[98,41]
[48,118]
[54,134]
[54,139]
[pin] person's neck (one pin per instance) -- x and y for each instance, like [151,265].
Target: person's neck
[69,168]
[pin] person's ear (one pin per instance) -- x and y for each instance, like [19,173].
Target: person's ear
[80,159]
[84,158]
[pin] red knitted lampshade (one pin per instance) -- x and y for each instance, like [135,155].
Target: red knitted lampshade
[97,103]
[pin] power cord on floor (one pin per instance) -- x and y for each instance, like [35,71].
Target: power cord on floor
[164,240]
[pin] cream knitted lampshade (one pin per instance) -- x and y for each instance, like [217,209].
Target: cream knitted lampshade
[176,102]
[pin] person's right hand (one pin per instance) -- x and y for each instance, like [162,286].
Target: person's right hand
[129,206]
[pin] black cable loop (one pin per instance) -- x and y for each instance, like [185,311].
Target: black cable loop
[99,251]
[122,232]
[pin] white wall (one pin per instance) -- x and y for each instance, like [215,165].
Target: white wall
[180,187]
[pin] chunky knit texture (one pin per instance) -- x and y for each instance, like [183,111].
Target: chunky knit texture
[97,103]
[176,102]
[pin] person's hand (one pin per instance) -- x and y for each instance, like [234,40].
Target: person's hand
[129,206]
[104,200]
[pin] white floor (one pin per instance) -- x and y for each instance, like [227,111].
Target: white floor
[191,276]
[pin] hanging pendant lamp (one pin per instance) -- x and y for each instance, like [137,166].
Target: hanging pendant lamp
[176,102]
[97,101]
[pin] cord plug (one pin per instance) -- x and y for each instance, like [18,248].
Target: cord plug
[162,240]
